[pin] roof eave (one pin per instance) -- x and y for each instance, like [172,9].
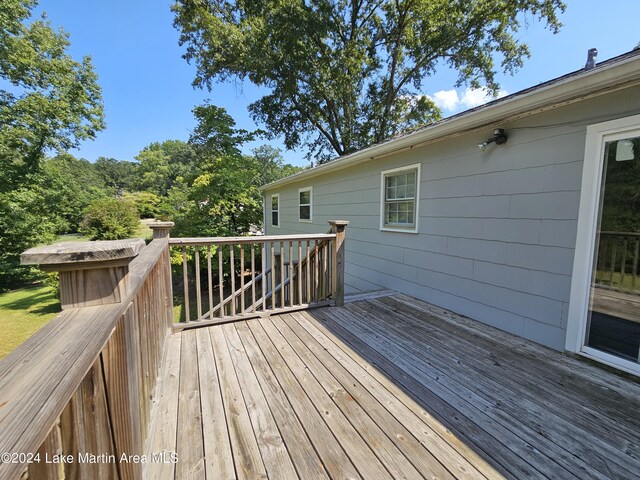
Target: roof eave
[591,83]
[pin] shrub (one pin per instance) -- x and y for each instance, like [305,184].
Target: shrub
[53,281]
[110,219]
[146,203]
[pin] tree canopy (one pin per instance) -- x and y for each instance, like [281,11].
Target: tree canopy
[344,74]
[220,197]
[50,101]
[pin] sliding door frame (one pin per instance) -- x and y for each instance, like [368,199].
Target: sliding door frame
[597,136]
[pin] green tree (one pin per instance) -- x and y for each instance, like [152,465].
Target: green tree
[26,219]
[345,74]
[146,203]
[110,219]
[161,163]
[119,175]
[223,198]
[50,101]
[271,165]
[70,185]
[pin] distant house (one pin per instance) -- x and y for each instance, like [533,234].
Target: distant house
[507,234]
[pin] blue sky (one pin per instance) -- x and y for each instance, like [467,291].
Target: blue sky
[147,85]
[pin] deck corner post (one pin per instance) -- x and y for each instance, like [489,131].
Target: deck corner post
[161,230]
[91,273]
[338,227]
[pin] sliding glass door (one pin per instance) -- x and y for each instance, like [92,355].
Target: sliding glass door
[613,314]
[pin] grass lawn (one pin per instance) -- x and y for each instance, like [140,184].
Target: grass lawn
[143,231]
[22,313]
[71,237]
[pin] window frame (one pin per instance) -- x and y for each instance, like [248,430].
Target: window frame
[416,199]
[310,204]
[276,195]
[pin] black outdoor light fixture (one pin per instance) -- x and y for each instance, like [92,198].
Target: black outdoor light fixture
[499,137]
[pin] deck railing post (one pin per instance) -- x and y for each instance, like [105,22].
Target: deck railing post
[91,273]
[94,274]
[338,227]
[161,230]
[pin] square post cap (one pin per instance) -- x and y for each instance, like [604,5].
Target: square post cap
[83,255]
[161,229]
[338,223]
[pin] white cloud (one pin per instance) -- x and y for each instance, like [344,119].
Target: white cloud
[446,99]
[452,101]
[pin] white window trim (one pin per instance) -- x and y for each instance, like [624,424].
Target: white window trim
[277,195]
[310,190]
[597,136]
[415,166]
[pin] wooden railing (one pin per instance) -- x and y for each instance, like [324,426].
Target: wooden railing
[618,261]
[243,277]
[83,385]
[76,398]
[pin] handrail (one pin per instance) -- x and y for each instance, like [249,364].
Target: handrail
[295,271]
[203,241]
[41,375]
[40,378]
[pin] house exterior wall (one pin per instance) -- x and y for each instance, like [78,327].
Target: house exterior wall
[497,229]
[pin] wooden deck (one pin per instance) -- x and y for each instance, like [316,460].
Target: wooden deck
[386,388]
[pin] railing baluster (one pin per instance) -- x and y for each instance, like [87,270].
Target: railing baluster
[308,271]
[324,270]
[273,275]
[233,280]
[624,262]
[242,279]
[315,272]
[291,282]
[185,276]
[613,262]
[220,281]
[635,263]
[210,282]
[264,277]
[282,274]
[299,272]
[253,277]
[292,275]
[198,285]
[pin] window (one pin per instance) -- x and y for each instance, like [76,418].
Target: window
[304,203]
[399,199]
[275,210]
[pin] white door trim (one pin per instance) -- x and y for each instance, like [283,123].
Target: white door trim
[597,135]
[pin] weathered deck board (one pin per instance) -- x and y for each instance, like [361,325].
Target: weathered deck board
[358,450]
[190,447]
[388,387]
[386,436]
[598,436]
[165,433]
[246,454]
[459,459]
[275,456]
[328,447]
[521,419]
[217,448]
